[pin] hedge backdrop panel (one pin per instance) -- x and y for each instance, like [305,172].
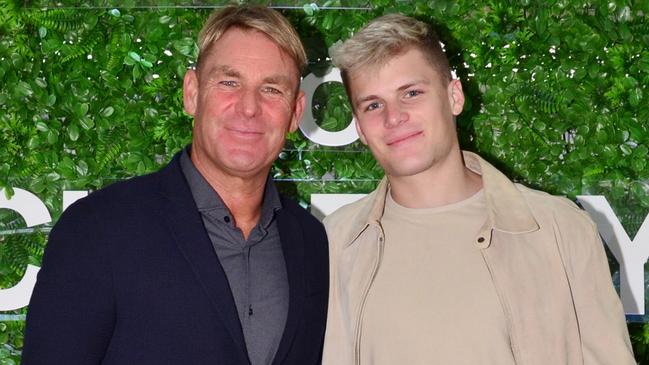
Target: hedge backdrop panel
[556,97]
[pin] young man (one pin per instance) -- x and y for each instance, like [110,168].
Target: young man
[447,261]
[202,262]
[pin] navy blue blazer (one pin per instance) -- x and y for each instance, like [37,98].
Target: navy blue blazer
[129,276]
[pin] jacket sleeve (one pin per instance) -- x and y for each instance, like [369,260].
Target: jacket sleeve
[332,311]
[603,330]
[338,345]
[71,313]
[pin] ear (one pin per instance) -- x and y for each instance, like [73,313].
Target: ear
[455,96]
[190,92]
[359,131]
[298,110]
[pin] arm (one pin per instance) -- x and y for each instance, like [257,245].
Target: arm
[337,343]
[71,314]
[604,335]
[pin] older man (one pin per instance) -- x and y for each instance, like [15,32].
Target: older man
[202,262]
[448,261]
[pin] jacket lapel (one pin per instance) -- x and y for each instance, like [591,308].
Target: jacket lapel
[180,214]
[292,245]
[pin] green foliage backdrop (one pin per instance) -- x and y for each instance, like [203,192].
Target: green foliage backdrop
[557,96]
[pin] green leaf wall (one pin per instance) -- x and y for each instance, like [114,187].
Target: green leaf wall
[556,97]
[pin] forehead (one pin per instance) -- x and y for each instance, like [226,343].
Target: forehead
[399,70]
[248,50]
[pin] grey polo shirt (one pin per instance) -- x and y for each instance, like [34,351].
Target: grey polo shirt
[255,268]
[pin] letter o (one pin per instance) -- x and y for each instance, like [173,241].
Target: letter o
[310,128]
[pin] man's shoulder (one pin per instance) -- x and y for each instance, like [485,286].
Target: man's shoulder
[563,210]
[348,211]
[140,188]
[348,219]
[119,200]
[136,188]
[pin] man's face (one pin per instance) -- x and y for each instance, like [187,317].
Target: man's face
[405,113]
[244,100]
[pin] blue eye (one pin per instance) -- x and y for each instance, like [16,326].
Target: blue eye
[372,106]
[413,93]
[271,90]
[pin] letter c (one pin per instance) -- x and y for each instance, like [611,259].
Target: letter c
[34,212]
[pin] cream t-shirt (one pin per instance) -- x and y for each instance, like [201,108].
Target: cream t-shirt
[432,300]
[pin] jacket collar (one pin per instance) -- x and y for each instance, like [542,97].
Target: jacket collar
[507,210]
[180,214]
[292,237]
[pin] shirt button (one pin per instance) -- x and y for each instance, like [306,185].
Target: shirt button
[480,239]
[226,219]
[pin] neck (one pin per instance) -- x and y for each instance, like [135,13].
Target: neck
[448,181]
[243,195]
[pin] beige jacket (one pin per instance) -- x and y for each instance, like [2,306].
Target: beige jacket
[545,258]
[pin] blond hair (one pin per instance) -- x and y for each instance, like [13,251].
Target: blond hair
[384,38]
[253,17]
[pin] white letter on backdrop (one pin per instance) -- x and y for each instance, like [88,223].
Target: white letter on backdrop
[34,212]
[324,204]
[310,128]
[631,255]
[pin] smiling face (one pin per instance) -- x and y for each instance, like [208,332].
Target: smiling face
[244,99]
[405,113]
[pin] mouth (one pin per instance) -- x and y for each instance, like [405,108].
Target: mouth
[395,141]
[244,133]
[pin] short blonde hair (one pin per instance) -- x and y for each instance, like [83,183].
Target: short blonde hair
[253,17]
[384,38]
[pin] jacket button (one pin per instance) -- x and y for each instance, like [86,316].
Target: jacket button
[480,239]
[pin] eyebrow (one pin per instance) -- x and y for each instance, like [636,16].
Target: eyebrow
[278,80]
[231,72]
[413,83]
[227,70]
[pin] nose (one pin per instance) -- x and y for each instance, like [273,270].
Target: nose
[248,103]
[395,115]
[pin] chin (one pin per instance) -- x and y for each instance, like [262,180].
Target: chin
[405,168]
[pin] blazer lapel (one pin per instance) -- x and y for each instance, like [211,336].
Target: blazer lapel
[292,245]
[179,211]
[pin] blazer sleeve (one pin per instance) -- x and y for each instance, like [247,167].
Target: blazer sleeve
[71,313]
[603,330]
